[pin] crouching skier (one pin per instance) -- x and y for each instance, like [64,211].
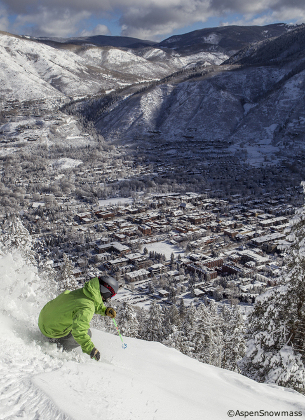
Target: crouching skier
[66,319]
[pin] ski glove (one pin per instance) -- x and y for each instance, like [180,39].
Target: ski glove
[110,312]
[95,354]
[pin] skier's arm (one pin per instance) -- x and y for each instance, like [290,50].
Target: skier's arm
[80,326]
[101,309]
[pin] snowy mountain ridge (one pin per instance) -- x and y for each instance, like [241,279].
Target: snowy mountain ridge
[33,70]
[41,68]
[250,109]
[146,380]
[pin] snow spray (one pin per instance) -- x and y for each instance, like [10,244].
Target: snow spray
[124,345]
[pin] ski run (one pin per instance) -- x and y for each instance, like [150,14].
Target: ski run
[144,381]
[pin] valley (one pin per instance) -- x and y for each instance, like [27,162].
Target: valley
[184,130]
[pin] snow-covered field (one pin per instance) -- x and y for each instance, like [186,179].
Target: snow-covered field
[115,201]
[164,247]
[66,163]
[144,381]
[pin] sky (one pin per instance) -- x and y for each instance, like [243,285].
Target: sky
[145,19]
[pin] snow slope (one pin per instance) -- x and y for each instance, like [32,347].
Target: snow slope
[256,109]
[32,70]
[144,381]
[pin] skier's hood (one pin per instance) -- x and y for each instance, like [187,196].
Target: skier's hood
[92,291]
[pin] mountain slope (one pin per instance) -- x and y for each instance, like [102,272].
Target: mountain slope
[247,109]
[210,106]
[32,70]
[226,39]
[287,47]
[98,40]
[148,380]
[144,381]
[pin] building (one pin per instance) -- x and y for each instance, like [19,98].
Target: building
[106,215]
[137,275]
[268,238]
[145,229]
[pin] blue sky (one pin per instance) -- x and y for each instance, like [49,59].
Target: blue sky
[145,19]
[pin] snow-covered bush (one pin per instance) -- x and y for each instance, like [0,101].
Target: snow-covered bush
[23,289]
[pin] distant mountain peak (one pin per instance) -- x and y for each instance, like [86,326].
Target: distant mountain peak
[228,39]
[289,45]
[99,40]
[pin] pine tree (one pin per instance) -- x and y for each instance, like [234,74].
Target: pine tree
[142,318]
[202,335]
[172,260]
[191,290]
[276,331]
[66,278]
[185,337]
[171,325]
[172,294]
[233,331]
[153,325]
[209,340]
[127,320]
[14,236]
[151,288]
[182,309]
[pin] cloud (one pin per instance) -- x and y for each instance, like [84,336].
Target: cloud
[156,18]
[283,14]
[4,19]
[54,22]
[143,18]
[160,19]
[25,7]
[98,30]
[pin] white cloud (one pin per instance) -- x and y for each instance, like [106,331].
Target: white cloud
[45,22]
[4,22]
[158,19]
[98,30]
[144,18]
[282,15]
[288,15]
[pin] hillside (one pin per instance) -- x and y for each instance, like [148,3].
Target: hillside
[43,68]
[287,47]
[224,39]
[144,381]
[33,70]
[228,39]
[187,97]
[98,40]
[30,70]
[231,106]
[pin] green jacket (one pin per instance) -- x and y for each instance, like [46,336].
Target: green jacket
[72,312]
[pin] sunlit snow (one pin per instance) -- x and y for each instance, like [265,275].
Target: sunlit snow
[145,381]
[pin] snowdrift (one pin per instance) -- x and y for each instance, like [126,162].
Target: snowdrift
[145,381]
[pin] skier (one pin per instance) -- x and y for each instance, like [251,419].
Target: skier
[66,319]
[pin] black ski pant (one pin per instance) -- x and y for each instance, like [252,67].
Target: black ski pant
[67,342]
